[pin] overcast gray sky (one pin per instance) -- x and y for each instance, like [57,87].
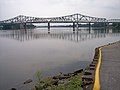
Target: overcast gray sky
[50,8]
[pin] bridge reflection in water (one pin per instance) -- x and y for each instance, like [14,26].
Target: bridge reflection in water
[25,35]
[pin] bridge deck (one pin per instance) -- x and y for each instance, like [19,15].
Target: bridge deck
[110,68]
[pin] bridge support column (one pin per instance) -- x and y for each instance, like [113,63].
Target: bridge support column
[77,25]
[104,24]
[73,26]
[25,26]
[89,27]
[21,26]
[107,24]
[48,26]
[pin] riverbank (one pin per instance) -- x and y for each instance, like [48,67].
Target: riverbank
[78,80]
[69,81]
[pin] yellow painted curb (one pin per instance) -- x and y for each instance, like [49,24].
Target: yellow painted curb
[97,73]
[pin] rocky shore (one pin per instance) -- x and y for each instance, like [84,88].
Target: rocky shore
[86,77]
[60,81]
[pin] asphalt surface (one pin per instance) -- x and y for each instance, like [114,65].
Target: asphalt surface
[110,67]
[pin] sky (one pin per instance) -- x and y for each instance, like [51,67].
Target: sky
[52,8]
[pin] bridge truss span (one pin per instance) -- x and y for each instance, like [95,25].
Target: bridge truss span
[63,19]
[76,19]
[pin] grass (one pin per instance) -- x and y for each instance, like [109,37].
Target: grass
[72,83]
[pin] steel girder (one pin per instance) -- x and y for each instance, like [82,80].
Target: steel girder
[113,20]
[63,19]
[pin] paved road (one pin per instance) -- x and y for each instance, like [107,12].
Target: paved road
[110,67]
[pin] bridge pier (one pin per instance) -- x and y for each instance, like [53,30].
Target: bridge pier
[104,24]
[25,27]
[77,26]
[48,26]
[89,27]
[73,26]
[20,26]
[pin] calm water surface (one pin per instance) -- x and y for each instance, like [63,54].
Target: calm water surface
[22,53]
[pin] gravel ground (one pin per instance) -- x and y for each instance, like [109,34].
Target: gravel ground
[110,67]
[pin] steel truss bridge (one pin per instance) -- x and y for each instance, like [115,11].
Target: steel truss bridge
[74,18]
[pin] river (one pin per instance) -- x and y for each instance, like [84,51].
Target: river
[23,52]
